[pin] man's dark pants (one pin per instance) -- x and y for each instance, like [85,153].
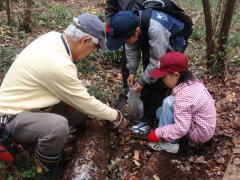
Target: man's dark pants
[125,71]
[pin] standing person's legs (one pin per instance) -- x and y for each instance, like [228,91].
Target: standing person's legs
[122,99]
[125,71]
[152,96]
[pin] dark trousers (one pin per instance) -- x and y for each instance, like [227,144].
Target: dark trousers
[125,71]
[152,95]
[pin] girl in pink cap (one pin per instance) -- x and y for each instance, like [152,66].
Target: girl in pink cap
[188,111]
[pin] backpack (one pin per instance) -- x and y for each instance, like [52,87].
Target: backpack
[8,148]
[168,7]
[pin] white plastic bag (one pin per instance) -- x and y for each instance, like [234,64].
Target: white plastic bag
[135,106]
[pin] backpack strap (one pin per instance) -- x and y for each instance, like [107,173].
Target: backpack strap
[130,5]
[170,8]
[145,17]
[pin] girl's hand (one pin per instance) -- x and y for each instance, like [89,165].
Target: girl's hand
[152,137]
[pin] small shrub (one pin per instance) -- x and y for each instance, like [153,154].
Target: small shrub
[7,55]
[54,15]
[197,34]
[234,40]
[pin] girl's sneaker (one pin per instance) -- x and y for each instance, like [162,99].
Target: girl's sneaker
[141,128]
[171,148]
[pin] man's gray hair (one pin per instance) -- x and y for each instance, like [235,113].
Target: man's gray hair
[74,33]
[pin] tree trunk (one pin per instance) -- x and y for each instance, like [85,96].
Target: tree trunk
[27,20]
[224,32]
[1,5]
[209,32]
[8,11]
[218,17]
[92,153]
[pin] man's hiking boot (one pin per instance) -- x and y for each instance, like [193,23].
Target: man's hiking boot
[169,147]
[47,166]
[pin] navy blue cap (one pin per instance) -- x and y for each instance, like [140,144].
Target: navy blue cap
[122,26]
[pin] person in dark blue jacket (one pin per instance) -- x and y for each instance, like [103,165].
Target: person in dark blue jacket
[113,7]
[126,28]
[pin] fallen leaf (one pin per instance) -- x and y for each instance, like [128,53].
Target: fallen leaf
[220,160]
[236,150]
[127,148]
[122,141]
[133,178]
[127,138]
[223,151]
[152,164]
[155,177]
[134,173]
[136,155]
[230,97]
[114,162]
[236,161]
[200,160]
[237,81]
[141,142]
[148,153]
[191,159]
[119,76]
[210,174]
[137,163]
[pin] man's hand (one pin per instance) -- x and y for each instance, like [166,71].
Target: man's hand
[138,88]
[152,137]
[118,120]
[131,80]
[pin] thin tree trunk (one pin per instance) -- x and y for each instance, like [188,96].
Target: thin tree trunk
[224,32]
[218,16]
[209,32]
[26,26]
[8,11]
[1,5]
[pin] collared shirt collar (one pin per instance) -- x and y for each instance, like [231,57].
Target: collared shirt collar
[67,46]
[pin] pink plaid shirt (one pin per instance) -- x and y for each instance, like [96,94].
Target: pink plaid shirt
[194,114]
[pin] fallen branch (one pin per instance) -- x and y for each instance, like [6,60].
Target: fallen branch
[92,153]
